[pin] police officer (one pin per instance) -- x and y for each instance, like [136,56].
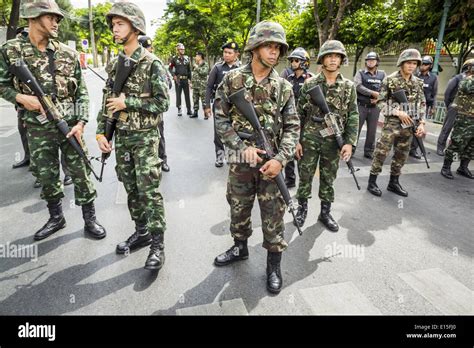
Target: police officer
[254,176]
[230,54]
[397,130]
[430,87]
[449,94]
[146,42]
[368,83]
[314,148]
[462,139]
[57,69]
[299,62]
[143,98]
[180,68]
[200,72]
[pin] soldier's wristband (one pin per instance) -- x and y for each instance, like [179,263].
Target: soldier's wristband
[99,136]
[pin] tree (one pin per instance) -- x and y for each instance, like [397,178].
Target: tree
[207,24]
[333,13]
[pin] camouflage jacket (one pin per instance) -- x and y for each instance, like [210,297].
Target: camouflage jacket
[200,73]
[464,101]
[69,88]
[283,128]
[341,98]
[413,89]
[146,93]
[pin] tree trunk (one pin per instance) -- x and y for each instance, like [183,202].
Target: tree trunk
[359,51]
[14,18]
[337,21]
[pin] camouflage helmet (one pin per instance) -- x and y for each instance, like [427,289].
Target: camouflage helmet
[301,54]
[36,8]
[264,32]
[332,46]
[468,65]
[179,46]
[409,54]
[129,11]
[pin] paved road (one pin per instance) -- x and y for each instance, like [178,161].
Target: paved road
[390,256]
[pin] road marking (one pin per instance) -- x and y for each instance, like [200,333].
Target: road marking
[232,307]
[443,291]
[338,299]
[8,133]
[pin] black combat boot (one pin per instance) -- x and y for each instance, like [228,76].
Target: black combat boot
[180,113]
[464,170]
[23,163]
[55,223]
[372,186]
[395,187]
[326,218]
[446,170]
[274,279]
[140,238]
[91,225]
[189,113]
[156,257]
[165,167]
[302,212]
[237,252]
[194,115]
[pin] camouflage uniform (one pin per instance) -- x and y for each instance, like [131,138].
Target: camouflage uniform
[137,137]
[462,138]
[137,140]
[244,181]
[58,71]
[45,140]
[392,133]
[199,81]
[341,98]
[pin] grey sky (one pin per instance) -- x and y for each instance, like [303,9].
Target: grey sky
[153,9]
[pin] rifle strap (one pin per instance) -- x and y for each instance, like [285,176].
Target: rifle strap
[276,124]
[52,71]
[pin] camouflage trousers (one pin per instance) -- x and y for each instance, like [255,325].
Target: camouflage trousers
[199,93]
[462,139]
[44,142]
[392,135]
[139,169]
[324,151]
[243,184]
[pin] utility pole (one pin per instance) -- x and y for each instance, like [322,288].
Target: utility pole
[258,10]
[439,43]
[91,29]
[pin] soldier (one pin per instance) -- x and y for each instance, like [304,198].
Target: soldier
[430,88]
[230,52]
[143,98]
[340,95]
[146,42]
[368,83]
[273,99]
[299,62]
[462,139]
[449,95]
[180,68]
[57,69]
[199,82]
[397,130]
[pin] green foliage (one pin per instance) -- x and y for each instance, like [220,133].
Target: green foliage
[205,25]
